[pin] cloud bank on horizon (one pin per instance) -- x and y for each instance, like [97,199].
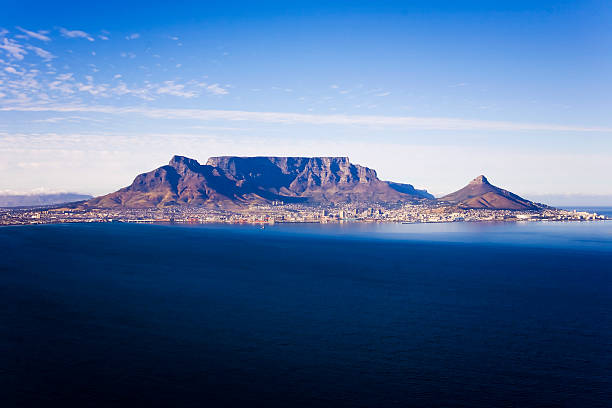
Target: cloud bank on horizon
[426,94]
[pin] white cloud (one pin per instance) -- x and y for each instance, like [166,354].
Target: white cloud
[133,36]
[62,87]
[44,54]
[12,70]
[76,34]
[13,49]
[215,89]
[93,89]
[171,88]
[142,93]
[383,94]
[37,35]
[65,77]
[400,122]
[103,37]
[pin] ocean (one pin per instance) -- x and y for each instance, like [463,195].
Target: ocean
[355,315]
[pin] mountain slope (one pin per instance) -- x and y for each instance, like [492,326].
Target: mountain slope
[479,193]
[182,182]
[230,181]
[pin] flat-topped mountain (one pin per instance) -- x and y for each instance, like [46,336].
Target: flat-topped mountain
[232,181]
[479,193]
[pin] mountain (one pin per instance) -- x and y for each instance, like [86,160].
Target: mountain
[34,200]
[479,193]
[229,181]
[320,179]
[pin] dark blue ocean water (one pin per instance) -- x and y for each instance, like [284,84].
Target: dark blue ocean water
[472,315]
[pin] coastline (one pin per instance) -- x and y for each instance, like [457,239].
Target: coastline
[270,215]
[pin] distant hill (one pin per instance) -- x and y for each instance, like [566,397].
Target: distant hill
[33,200]
[479,193]
[229,181]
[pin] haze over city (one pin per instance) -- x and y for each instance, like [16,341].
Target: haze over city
[432,95]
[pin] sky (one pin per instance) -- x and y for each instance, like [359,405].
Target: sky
[431,93]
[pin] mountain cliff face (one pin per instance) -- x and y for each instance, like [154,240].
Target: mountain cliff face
[320,179]
[479,193]
[230,181]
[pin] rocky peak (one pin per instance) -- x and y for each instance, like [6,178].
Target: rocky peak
[182,164]
[480,180]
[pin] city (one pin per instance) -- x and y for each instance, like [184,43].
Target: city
[288,213]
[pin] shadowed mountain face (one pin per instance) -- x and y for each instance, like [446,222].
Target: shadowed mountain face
[479,193]
[230,181]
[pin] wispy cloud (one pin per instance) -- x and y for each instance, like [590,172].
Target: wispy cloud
[13,48]
[40,35]
[12,70]
[76,34]
[133,36]
[58,119]
[403,122]
[171,88]
[216,89]
[65,77]
[44,54]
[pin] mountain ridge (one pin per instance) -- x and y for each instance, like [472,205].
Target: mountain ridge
[230,181]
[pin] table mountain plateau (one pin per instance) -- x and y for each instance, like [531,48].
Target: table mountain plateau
[229,181]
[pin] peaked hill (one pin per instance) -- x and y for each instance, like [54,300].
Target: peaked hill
[233,181]
[479,193]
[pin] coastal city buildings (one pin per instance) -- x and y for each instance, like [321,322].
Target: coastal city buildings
[288,213]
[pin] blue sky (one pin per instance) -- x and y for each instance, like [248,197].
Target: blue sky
[431,93]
